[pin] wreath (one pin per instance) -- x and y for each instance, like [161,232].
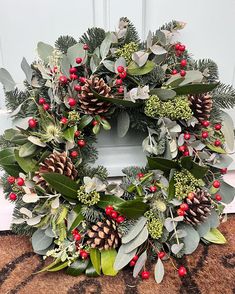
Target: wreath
[71,210]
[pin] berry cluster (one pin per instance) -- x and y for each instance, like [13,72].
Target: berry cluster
[179,50]
[110,211]
[205,133]
[119,81]
[19,182]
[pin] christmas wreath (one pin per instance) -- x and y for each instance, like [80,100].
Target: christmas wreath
[71,210]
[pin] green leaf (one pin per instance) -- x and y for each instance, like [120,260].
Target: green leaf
[44,51]
[122,258]
[106,200]
[116,101]
[159,271]
[107,261]
[134,70]
[6,80]
[192,76]
[27,70]
[51,265]
[95,256]
[123,123]
[163,94]
[174,81]
[62,184]
[58,267]
[227,192]
[27,164]
[195,169]
[161,163]
[65,66]
[90,271]
[10,133]
[76,51]
[85,120]
[105,46]
[137,241]
[77,267]
[216,149]
[109,64]
[27,149]
[194,89]
[228,130]
[79,218]
[171,188]
[191,240]
[215,236]
[7,156]
[140,264]
[40,240]
[134,230]
[132,208]
[69,134]
[12,169]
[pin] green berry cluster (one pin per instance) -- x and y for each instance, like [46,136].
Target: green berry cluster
[177,108]
[88,198]
[155,225]
[126,51]
[185,183]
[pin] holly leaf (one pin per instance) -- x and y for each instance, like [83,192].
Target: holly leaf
[77,267]
[161,163]
[106,200]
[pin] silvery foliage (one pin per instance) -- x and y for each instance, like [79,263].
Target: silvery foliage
[93,184]
[141,93]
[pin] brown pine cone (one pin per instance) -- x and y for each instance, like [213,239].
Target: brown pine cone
[201,105]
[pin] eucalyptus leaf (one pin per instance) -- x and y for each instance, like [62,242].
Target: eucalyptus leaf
[192,76]
[120,62]
[105,46]
[191,240]
[65,66]
[109,64]
[227,192]
[44,51]
[139,240]
[140,264]
[134,70]
[123,123]
[228,130]
[175,248]
[36,141]
[40,240]
[6,80]
[27,70]
[122,258]
[158,50]
[159,271]
[134,230]
[75,51]
[140,58]
[163,94]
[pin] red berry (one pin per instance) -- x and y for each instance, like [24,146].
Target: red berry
[55,69]
[120,90]
[63,80]
[181,148]
[75,231]
[73,77]
[191,195]
[109,210]
[182,271]
[132,263]
[120,69]
[77,88]
[12,196]
[205,123]
[145,275]
[205,135]
[180,212]
[32,123]
[161,254]
[184,206]
[120,219]
[77,134]
[85,47]
[64,120]
[123,75]
[182,48]
[217,127]
[72,102]
[114,214]
[218,197]
[140,175]
[20,181]
[72,70]
[41,101]
[178,53]
[74,154]
[82,80]
[174,72]
[118,81]
[81,143]
[223,171]
[217,143]
[95,122]
[135,258]
[186,153]
[46,106]
[183,62]
[183,73]
[11,180]
[77,237]
[187,136]
[216,184]
[84,254]
[177,46]
[78,60]
[153,189]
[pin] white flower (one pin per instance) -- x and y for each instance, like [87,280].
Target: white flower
[93,184]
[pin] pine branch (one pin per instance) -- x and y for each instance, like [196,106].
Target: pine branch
[209,65]
[223,96]
[171,26]
[155,78]
[91,214]
[99,171]
[93,38]
[131,33]
[64,42]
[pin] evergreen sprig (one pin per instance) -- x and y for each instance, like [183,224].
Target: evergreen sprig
[207,64]
[224,96]
[131,33]
[64,42]
[93,38]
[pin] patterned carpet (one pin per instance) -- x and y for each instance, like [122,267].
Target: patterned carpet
[211,270]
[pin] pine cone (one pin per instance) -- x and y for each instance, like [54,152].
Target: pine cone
[103,235]
[56,163]
[88,102]
[199,208]
[201,105]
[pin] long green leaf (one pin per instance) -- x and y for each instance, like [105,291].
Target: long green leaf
[77,267]
[134,70]
[215,236]
[62,184]
[107,261]
[163,94]
[7,156]
[26,163]
[27,149]
[106,200]
[90,271]
[85,121]
[194,89]
[132,208]
[95,256]
[12,169]
[161,163]
[58,267]
[195,169]
[69,134]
